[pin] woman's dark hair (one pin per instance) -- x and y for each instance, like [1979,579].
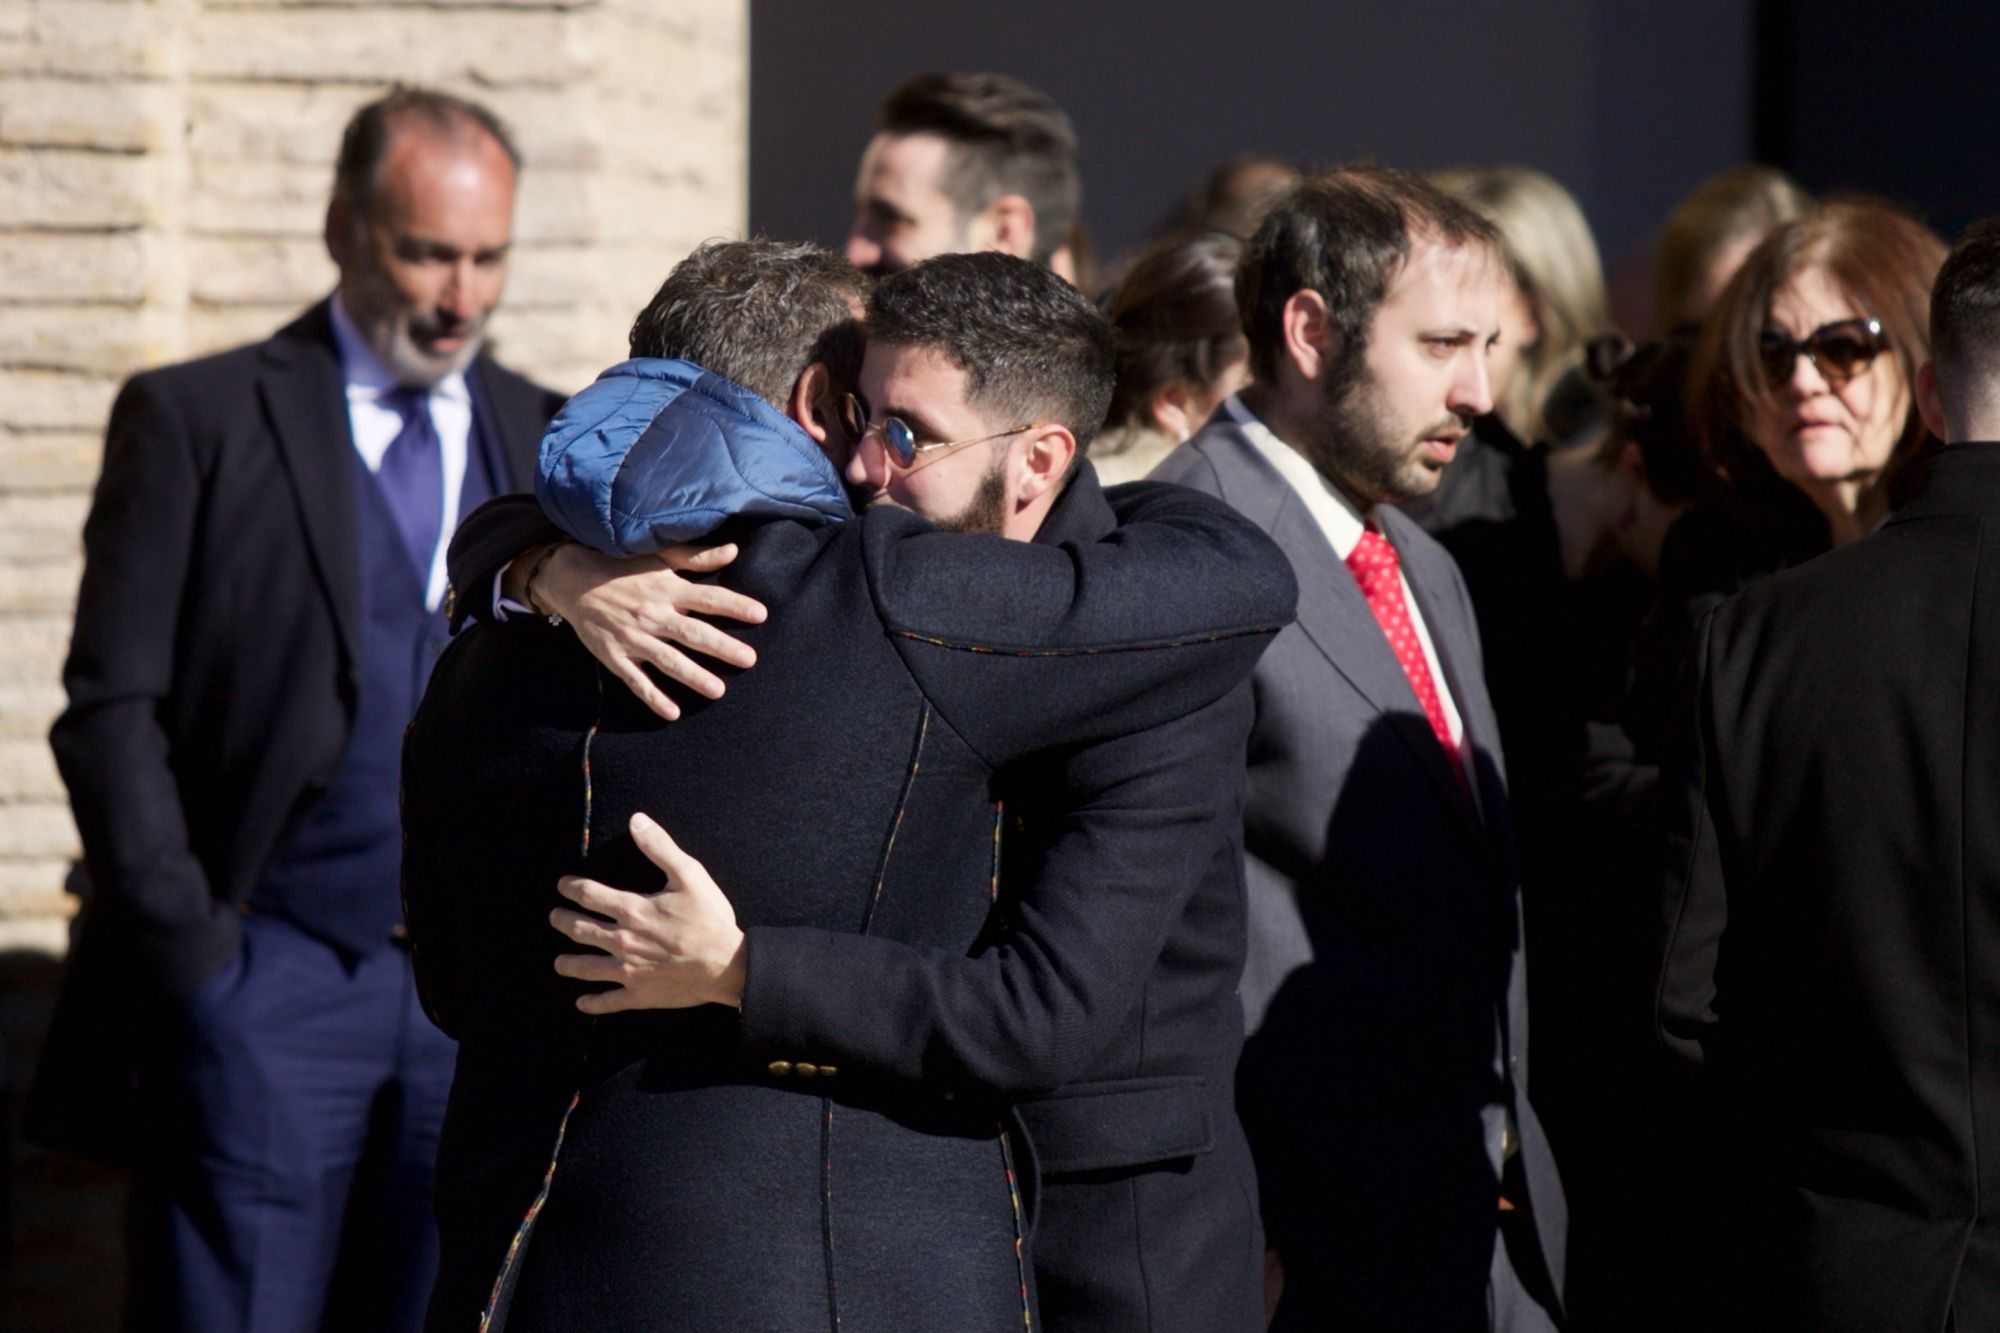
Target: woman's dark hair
[1647,389]
[1175,319]
[1883,259]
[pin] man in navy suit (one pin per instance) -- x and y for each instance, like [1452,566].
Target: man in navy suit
[261,604]
[1406,1182]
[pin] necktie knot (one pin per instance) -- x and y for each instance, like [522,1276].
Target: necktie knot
[1373,562]
[406,401]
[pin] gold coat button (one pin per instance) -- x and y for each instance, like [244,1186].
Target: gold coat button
[780,1068]
[827,1071]
[805,1070]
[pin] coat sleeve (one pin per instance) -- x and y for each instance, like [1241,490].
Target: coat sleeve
[1023,646]
[109,743]
[436,957]
[487,540]
[1140,818]
[1693,908]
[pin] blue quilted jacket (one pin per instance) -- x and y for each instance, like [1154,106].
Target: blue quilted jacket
[657,452]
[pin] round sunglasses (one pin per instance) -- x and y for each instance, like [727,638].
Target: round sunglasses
[1838,351]
[897,436]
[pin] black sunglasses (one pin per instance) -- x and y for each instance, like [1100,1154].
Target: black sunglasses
[897,435]
[1838,351]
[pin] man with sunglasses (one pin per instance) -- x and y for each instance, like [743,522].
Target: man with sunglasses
[1827,942]
[1107,969]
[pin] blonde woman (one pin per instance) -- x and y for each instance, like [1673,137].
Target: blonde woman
[1560,301]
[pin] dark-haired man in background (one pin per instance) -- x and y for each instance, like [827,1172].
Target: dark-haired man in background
[264,567]
[889,1014]
[962,163]
[1406,1182]
[1828,941]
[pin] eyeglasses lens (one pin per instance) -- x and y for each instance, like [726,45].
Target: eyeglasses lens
[902,442]
[1838,351]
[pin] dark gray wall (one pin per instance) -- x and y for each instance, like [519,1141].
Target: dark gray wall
[1892,99]
[1628,104]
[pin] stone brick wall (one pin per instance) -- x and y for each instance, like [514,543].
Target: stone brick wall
[164,166]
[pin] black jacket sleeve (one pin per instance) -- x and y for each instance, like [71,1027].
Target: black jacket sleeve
[486,542]
[1163,616]
[109,744]
[1143,815]
[1694,903]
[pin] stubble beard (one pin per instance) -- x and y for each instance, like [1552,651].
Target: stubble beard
[987,510]
[1356,445]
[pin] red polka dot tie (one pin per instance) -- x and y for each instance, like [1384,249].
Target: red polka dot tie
[1373,562]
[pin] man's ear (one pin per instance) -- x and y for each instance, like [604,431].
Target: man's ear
[1013,221]
[1929,406]
[339,233]
[812,406]
[1044,462]
[1312,343]
[1172,409]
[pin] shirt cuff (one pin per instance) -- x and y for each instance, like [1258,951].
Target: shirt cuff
[504,606]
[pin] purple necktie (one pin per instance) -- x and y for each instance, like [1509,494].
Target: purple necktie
[412,477]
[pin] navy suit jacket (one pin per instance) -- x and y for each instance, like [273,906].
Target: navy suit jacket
[843,786]
[211,679]
[1101,999]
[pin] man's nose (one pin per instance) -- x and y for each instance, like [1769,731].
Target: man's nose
[459,295]
[861,251]
[1472,390]
[868,464]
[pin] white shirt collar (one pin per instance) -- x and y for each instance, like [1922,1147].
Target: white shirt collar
[367,378]
[1330,507]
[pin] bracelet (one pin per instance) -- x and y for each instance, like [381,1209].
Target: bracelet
[535,572]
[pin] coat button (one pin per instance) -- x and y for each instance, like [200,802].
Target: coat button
[827,1071]
[779,1068]
[805,1070]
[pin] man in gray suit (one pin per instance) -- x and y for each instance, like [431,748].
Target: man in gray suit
[1407,1184]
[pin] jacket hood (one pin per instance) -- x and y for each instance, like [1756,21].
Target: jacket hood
[657,452]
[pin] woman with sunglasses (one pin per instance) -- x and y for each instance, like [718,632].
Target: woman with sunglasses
[1799,399]
[1800,392]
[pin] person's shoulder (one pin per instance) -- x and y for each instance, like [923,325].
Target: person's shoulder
[198,379]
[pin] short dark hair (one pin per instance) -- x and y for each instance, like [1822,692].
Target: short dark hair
[1031,346]
[758,312]
[365,142]
[1175,319]
[1006,138]
[1965,306]
[1345,234]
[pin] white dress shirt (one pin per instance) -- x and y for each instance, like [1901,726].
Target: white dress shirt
[374,426]
[1343,525]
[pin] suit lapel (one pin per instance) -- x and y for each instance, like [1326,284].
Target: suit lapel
[303,395]
[1337,619]
[1480,735]
[509,411]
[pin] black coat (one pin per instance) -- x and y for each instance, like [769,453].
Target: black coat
[843,785]
[1110,969]
[1829,941]
[211,679]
